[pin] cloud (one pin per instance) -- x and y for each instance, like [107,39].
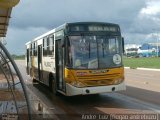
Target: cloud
[52,13]
[145,24]
[16,38]
[152,8]
[149,17]
[137,18]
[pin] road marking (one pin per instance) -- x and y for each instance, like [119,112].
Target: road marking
[148,69]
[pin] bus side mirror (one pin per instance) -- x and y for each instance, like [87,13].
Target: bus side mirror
[123,44]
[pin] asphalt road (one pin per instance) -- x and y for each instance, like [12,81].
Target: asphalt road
[135,100]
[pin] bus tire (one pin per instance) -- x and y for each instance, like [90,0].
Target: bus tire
[52,84]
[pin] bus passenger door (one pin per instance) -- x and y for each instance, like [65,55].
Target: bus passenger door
[40,72]
[59,66]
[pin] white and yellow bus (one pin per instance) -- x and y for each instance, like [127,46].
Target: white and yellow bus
[78,58]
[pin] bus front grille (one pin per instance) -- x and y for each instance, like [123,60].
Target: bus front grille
[98,80]
[98,77]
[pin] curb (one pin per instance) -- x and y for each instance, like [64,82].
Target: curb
[149,69]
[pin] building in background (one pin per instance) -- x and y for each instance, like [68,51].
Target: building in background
[149,50]
[131,50]
[144,50]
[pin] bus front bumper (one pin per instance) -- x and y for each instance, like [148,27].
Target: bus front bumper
[71,90]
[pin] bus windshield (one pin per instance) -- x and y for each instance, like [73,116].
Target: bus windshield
[94,52]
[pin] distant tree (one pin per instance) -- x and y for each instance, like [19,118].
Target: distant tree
[18,57]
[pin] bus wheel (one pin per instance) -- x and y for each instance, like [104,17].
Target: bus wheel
[52,84]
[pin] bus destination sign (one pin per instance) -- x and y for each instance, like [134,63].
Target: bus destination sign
[101,28]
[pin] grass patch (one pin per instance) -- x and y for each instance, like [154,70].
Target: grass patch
[142,62]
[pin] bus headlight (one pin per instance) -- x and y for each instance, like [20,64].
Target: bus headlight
[77,84]
[118,80]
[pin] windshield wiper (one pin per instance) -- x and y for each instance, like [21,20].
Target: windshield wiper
[103,49]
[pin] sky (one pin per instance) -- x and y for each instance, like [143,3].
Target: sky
[139,19]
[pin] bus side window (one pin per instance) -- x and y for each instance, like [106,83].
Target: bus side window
[45,47]
[35,49]
[30,49]
[68,54]
[51,45]
[48,46]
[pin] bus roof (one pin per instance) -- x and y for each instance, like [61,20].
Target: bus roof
[102,23]
[63,26]
[45,34]
[84,23]
[50,32]
[28,43]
